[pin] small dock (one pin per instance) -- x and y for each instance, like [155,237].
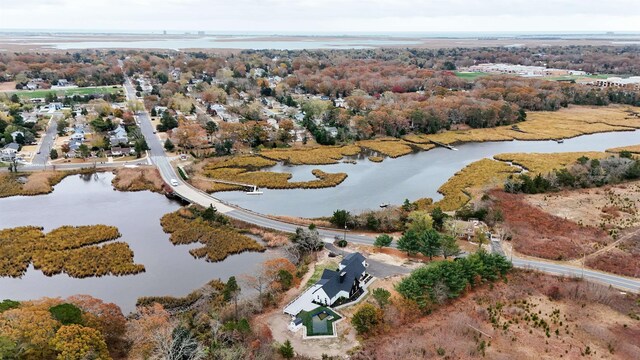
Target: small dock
[517,128]
[437,143]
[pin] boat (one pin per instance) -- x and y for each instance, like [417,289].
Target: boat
[560,141]
[254,191]
[384,205]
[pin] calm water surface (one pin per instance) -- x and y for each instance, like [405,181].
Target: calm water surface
[170,270]
[409,177]
[230,43]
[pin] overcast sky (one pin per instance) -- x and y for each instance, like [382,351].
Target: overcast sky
[334,16]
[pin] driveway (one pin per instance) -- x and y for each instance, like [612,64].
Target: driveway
[376,268]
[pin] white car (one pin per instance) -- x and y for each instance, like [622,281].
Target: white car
[174,182]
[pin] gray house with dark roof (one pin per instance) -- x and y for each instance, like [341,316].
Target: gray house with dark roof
[345,282]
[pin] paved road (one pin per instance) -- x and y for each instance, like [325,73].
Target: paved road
[46,145]
[196,196]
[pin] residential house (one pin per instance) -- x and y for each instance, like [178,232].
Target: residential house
[15,134]
[120,151]
[331,130]
[346,283]
[63,82]
[160,110]
[118,136]
[341,103]
[9,151]
[78,134]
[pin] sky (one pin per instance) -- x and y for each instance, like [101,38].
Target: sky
[323,16]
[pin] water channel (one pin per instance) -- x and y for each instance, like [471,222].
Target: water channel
[171,270]
[413,176]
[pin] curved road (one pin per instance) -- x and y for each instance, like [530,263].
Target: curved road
[158,157]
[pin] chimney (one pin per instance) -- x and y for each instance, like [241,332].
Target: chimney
[342,276]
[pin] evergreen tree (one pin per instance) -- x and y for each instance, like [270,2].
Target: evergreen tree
[286,350]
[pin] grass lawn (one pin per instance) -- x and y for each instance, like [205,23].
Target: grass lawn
[30,94]
[321,319]
[318,272]
[470,75]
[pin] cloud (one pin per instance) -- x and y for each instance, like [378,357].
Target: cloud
[325,15]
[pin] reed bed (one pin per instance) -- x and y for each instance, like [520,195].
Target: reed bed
[138,179]
[73,237]
[272,180]
[312,156]
[544,125]
[482,173]
[109,259]
[634,149]
[218,240]
[29,184]
[387,146]
[540,163]
[247,162]
[67,249]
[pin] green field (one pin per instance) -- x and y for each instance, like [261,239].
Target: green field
[30,94]
[470,75]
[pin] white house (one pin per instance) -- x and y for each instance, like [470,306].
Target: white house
[15,134]
[343,283]
[9,151]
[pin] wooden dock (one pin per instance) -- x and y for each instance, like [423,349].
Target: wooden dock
[437,143]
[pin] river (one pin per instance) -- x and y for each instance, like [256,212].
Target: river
[413,176]
[81,200]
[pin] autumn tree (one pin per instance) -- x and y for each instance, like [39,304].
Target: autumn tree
[150,328]
[367,319]
[105,317]
[189,135]
[30,329]
[419,221]
[76,342]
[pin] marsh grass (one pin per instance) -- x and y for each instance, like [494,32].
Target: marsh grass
[219,240]
[68,249]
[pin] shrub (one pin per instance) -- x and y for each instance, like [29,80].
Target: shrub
[441,280]
[383,241]
[8,304]
[382,296]
[367,319]
[67,314]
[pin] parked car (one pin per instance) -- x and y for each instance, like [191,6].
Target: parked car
[174,182]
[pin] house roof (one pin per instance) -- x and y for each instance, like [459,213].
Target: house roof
[351,268]
[12,146]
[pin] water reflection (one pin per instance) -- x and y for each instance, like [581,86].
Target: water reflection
[90,199]
[412,177]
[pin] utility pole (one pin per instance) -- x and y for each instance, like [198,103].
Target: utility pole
[345,229]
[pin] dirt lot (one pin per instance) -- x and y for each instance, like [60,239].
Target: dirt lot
[8,86]
[622,258]
[533,316]
[541,234]
[613,208]
[608,207]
